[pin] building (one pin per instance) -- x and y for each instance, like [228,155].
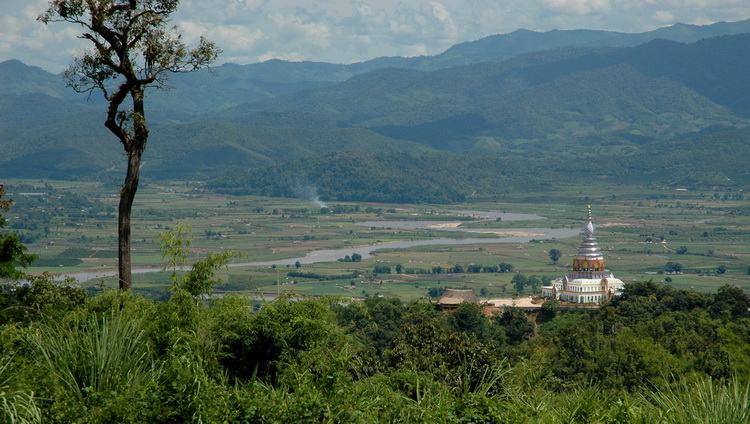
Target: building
[588,281]
[451,298]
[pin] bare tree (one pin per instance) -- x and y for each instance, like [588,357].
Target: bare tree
[134,47]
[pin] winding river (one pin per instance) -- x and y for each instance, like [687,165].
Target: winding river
[503,235]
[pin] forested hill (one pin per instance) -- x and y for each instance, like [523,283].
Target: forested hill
[623,106]
[702,161]
[655,90]
[397,177]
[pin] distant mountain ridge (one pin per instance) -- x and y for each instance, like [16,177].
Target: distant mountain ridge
[526,114]
[656,90]
[231,84]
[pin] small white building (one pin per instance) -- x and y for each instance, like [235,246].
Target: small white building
[588,281]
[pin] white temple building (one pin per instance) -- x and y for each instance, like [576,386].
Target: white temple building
[588,281]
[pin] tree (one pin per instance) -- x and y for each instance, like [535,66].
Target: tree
[519,282]
[436,292]
[534,282]
[549,309]
[382,269]
[199,280]
[12,251]
[429,348]
[673,267]
[517,325]
[133,48]
[468,318]
[730,302]
[555,255]
[297,264]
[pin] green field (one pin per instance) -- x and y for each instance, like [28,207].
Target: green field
[72,227]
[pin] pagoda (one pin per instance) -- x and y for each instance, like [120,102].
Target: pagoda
[588,281]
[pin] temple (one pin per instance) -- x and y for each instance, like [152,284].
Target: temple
[587,281]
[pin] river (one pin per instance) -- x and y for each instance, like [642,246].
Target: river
[503,235]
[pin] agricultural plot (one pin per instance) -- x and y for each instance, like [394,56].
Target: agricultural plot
[644,233]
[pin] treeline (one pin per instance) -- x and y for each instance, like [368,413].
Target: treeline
[502,267]
[443,177]
[402,177]
[316,276]
[656,354]
[472,268]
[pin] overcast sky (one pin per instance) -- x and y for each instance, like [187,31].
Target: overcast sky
[346,31]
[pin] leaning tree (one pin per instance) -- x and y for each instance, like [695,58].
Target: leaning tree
[134,47]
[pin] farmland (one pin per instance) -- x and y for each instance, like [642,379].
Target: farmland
[71,226]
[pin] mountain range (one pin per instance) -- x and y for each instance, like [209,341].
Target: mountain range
[503,108]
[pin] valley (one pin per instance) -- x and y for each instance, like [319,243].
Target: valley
[321,243]
[642,229]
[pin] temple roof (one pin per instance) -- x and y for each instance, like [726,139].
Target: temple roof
[589,248]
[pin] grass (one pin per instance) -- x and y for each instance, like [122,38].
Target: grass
[103,354]
[17,406]
[705,402]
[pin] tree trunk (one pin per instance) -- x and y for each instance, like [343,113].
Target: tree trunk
[127,195]
[134,148]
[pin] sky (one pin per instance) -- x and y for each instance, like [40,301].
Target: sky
[347,31]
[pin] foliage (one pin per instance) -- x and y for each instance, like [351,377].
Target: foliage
[316,276]
[133,48]
[102,354]
[468,318]
[517,325]
[673,267]
[427,347]
[550,308]
[655,354]
[555,255]
[16,405]
[705,401]
[40,296]
[276,335]
[12,252]
[395,177]
[519,282]
[199,280]
[375,321]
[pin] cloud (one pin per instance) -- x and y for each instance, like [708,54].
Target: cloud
[663,16]
[442,14]
[579,7]
[345,31]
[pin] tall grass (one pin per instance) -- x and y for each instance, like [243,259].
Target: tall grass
[16,406]
[704,402]
[107,353]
